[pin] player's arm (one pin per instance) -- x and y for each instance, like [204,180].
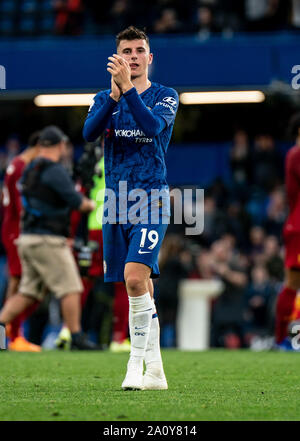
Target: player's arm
[13,194]
[152,122]
[100,113]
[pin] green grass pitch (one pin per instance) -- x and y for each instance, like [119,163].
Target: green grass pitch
[215,385]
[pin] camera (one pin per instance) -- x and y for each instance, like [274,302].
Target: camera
[87,165]
[84,253]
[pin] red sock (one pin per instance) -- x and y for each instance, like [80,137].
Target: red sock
[15,325]
[120,313]
[284,309]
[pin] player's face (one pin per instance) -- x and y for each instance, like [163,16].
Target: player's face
[137,54]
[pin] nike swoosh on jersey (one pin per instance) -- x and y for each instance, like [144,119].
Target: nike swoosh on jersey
[143,252]
[116,112]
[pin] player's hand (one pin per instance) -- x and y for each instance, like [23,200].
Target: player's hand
[116,92]
[120,70]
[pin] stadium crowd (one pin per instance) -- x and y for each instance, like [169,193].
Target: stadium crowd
[241,245]
[199,17]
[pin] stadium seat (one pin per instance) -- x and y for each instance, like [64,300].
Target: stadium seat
[46,5]
[27,25]
[9,6]
[6,26]
[47,24]
[29,6]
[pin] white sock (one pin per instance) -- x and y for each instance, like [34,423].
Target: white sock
[153,355]
[140,314]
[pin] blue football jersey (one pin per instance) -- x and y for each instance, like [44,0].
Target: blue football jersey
[129,154]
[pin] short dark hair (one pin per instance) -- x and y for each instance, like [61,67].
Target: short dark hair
[52,135]
[132,33]
[33,139]
[294,126]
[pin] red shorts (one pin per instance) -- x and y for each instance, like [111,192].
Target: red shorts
[96,268]
[292,250]
[13,261]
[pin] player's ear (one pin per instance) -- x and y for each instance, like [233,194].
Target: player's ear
[150,58]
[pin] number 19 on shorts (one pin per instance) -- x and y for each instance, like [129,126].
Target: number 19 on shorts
[152,236]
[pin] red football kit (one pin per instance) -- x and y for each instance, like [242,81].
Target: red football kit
[12,214]
[291,230]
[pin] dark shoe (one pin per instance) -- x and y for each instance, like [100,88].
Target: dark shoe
[81,343]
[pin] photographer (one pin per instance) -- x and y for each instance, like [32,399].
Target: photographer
[104,306]
[86,232]
[48,196]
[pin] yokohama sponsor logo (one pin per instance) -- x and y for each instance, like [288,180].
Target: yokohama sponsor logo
[127,133]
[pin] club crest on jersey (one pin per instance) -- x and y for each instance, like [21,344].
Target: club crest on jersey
[109,133]
[170,100]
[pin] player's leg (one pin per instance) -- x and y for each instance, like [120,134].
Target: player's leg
[64,338]
[137,277]
[26,299]
[120,342]
[70,308]
[13,329]
[141,263]
[285,303]
[154,378]
[17,267]
[287,296]
[14,306]
[55,263]
[13,286]
[17,342]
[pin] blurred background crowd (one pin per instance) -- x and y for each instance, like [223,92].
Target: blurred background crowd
[198,17]
[235,152]
[241,245]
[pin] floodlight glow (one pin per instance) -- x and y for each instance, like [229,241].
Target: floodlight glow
[222,97]
[61,100]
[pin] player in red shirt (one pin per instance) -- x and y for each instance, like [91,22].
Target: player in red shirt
[12,207]
[285,307]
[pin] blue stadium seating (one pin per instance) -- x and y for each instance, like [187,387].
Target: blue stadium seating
[29,6]
[46,24]
[46,5]
[9,6]
[6,26]
[27,25]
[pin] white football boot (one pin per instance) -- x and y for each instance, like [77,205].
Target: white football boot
[134,376]
[154,378]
